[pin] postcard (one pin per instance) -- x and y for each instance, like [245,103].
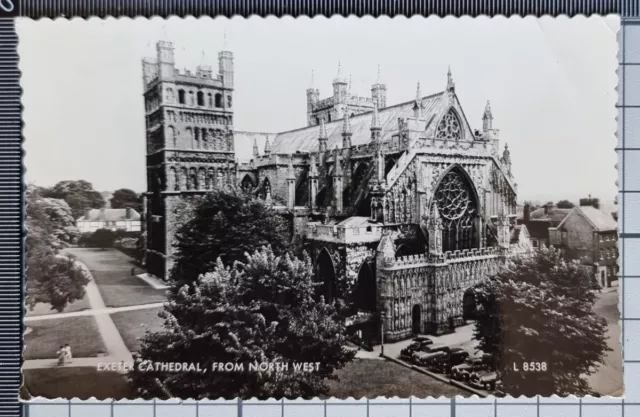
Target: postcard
[320,207]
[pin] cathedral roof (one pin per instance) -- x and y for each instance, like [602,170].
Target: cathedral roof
[243,142]
[306,139]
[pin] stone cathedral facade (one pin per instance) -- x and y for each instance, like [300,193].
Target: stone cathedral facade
[403,207]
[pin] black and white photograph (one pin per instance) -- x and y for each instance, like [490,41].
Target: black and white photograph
[320,207]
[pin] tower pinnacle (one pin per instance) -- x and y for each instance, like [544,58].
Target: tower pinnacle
[451,85]
[267,147]
[417,107]
[255,148]
[340,79]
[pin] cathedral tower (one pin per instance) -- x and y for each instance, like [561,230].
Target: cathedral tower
[189,130]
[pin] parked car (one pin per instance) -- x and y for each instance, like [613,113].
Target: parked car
[487,380]
[431,359]
[419,357]
[416,346]
[438,348]
[463,371]
[439,362]
[422,339]
[456,357]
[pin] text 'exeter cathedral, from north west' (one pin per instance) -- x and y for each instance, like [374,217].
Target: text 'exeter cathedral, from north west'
[403,207]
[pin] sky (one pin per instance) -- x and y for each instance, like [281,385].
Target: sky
[551,83]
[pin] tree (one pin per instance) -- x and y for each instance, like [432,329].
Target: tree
[101,238]
[124,198]
[565,204]
[259,311]
[78,194]
[52,277]
[226,225]
[539,308]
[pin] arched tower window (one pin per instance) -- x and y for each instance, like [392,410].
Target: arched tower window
[181,98]
[458,208]
[200,97]
[449,127]
[191,99]
[218,100]
[229,101]
[210,97]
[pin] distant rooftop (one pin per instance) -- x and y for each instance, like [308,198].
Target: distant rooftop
[109,215]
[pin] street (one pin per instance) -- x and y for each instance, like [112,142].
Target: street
[608,378]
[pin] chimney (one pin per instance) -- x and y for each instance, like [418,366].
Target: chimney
[129,214]
[87,213]
[526,214]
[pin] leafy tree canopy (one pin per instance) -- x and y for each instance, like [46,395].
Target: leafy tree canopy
[540,309]
[124,198]
[226,225]
[78,194]
[52,277]
[565,204]
[260,311]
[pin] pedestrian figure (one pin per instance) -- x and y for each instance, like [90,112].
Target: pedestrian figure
[68,356]
[62,355]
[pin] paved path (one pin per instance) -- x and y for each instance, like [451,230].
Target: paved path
[118,351]
[93,312]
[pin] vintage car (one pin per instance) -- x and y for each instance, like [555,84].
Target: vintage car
[457,356]
[416,346]
[486,380]
[463,371]
[438,348]
[432,359]
[422,339]
[419,357]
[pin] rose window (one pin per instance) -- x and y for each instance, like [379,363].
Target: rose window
[449,127]
[457,207]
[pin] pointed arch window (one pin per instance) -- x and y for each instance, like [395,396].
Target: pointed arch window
[458,210]
[449,127]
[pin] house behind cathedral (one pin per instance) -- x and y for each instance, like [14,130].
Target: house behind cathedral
[403,207]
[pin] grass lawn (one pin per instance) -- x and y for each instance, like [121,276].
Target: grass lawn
[372,378]
[81,382]
[132,325]
[111,270]
[81,333]
[42,309]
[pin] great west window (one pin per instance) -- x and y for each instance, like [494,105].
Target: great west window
[458,208]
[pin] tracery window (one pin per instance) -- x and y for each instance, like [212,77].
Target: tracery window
[449,127]
[458,209]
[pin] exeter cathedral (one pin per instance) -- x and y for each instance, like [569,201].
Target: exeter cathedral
[403,207]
